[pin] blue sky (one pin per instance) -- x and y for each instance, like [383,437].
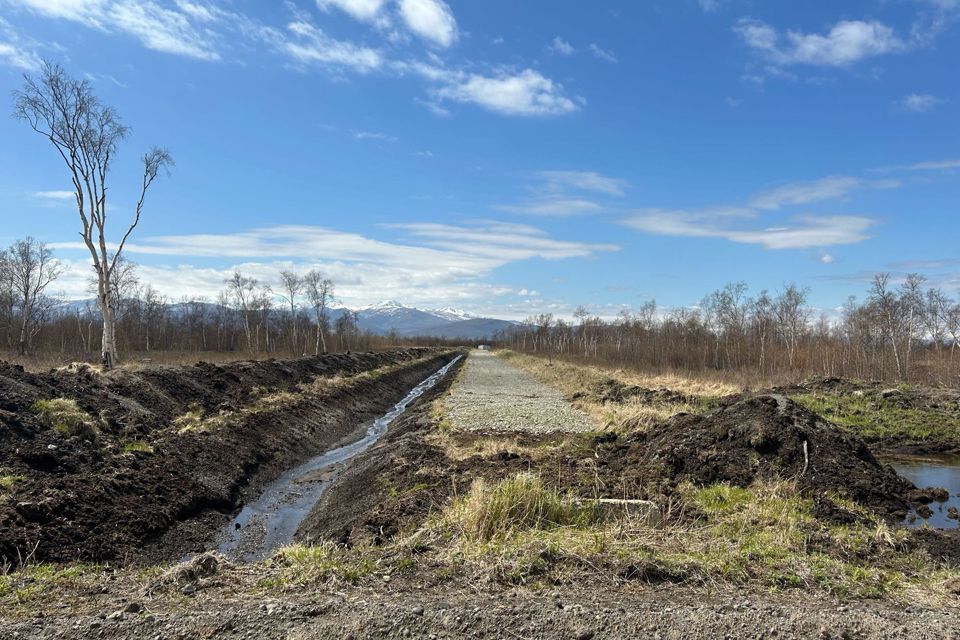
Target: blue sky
[510,158]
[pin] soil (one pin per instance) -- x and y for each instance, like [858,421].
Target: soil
[399,609]
[770,436]
[77,499]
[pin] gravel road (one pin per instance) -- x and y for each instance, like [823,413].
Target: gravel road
[491,395]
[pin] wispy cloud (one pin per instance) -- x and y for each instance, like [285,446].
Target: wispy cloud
[158,27]
[561,193]
[920,102]
[53,195]
[800,232]
[552,206]
[830,188]
[312,47]
[556,181]
[603,54]
[751,222]
[16,51]
[561,47]
[374,135]
[435,263]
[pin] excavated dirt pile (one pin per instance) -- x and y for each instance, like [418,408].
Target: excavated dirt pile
[115,472]
[771,436]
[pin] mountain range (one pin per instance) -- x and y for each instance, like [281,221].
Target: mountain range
[388,317]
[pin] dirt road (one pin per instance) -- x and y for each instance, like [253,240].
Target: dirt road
[491,395]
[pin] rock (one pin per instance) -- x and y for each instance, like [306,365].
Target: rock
[891,393]
[953,513]
[417,611]
[924,511]
[939,494]
[52,447]
[585,634]
[133,607]
[188,590]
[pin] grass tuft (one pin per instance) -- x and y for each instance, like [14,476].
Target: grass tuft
[64,416]
[302,564]
[520,502]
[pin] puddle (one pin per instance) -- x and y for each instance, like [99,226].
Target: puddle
[272,520]
[932,471]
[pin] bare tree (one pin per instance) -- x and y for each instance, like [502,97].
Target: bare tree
[292,286]
[29,267]
[86,134]
[320,293]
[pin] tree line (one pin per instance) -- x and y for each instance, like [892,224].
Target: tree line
[902,332]
[289,317]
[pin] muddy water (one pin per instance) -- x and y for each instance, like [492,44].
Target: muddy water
[932,471]
[272,520]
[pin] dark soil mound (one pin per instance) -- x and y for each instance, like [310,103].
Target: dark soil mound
[78,498]
[771,436]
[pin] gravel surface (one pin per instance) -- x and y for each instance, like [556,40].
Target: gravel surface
[671,613]
[491,395]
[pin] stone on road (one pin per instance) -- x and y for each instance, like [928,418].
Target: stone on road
[491,395]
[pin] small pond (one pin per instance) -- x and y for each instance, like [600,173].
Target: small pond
[932,471]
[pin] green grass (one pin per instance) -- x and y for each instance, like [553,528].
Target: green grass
[137,446]
[875,418]
[763,536]
[304,564]
[64,416]
[8,482]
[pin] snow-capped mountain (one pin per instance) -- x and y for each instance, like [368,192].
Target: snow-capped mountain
[391,316]
[452,314]
[381,318]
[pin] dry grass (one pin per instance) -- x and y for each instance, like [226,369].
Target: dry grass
[64,416]
[633,414]
[763,536]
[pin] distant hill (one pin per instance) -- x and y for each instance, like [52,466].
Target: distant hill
[382,318]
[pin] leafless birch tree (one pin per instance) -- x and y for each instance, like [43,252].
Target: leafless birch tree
[86,134]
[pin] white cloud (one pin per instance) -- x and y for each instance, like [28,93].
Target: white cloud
[17,52]
[313,47]
[846,43]
[438,264]
[157,27]
[553,207]
[805,192]
[603,54]
[561,47]
[709,6]
[558,193]
[54,195]
[826,258]
[935,165]
[374,135]
[431,20]
[582,180]
[920,103]
[802,232]
[365,10]
[526,93]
